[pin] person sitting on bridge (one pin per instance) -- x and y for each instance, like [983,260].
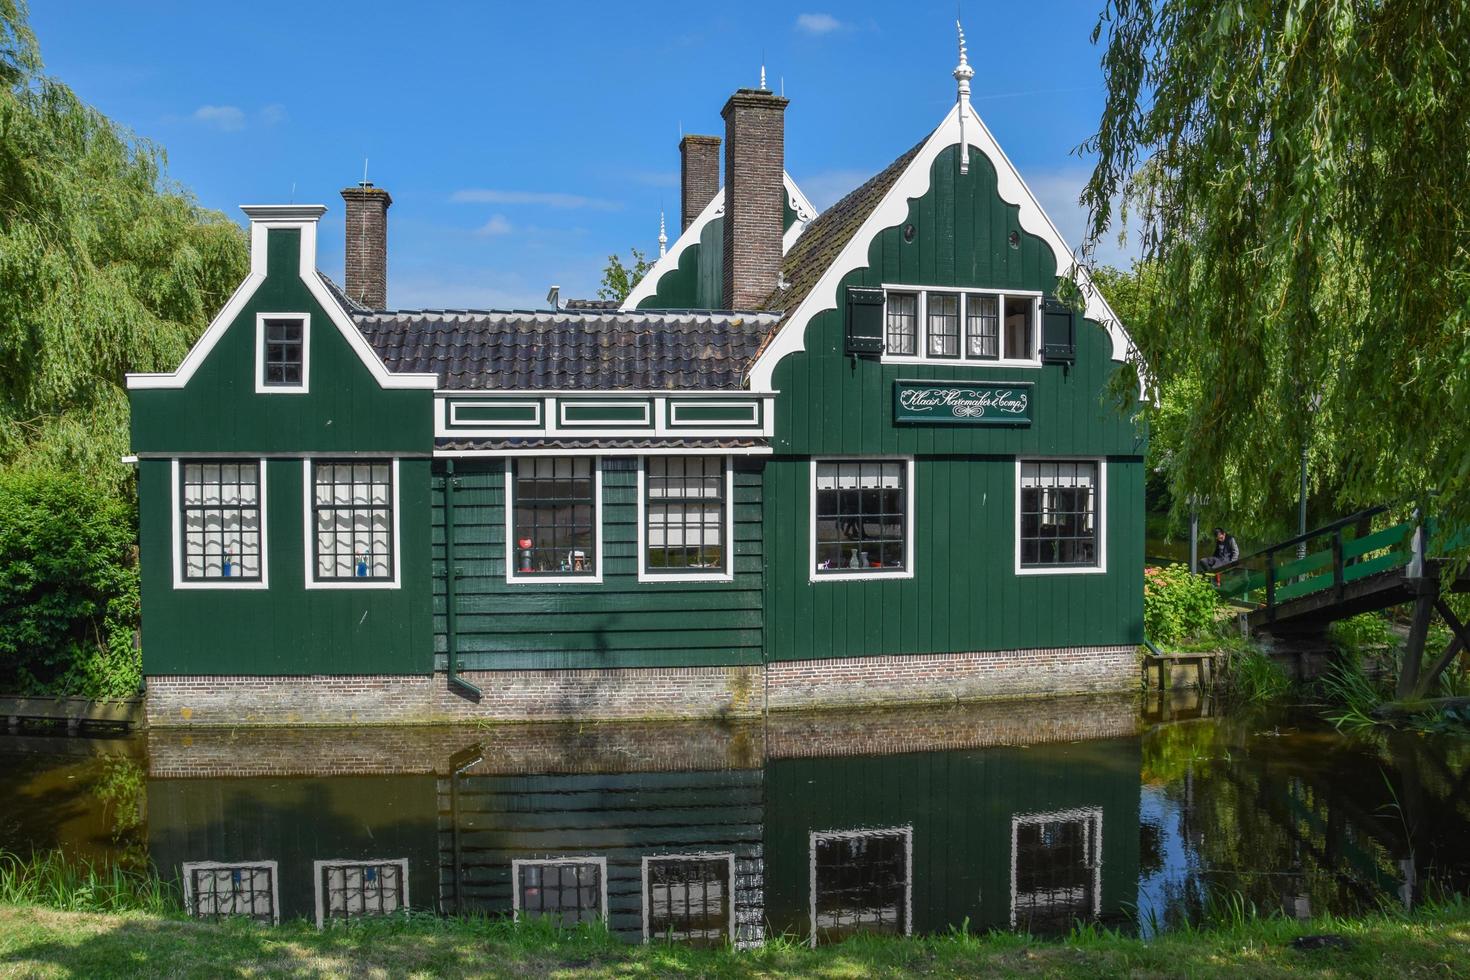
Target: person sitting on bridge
[1227,552]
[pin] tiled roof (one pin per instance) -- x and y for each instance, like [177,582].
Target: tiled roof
[469,445]
[487,350]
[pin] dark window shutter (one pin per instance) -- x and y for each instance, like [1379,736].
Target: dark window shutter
[864,321]
[1058,332]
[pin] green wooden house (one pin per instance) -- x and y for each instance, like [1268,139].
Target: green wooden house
[860,456]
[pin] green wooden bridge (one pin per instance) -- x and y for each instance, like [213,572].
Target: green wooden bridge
[1350,573]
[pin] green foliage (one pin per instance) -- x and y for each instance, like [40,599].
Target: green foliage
[1177,606]
[1254,676]
[106,267]
[618,279]
[68,588]
[1352,696]
[1295,174]
[52,880]
[1358,633]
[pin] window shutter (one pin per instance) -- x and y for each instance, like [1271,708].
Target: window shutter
[864,321]
[1058,332]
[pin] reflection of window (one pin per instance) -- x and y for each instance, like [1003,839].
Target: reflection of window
[685,514]
[214,890]
[352,508]
[220,505]
[860,883]
[689,899]
[903,323]
[568,890]
[944,324]
[1059,507]
[1056,869]
[360,889]
[555,516]
[861,517]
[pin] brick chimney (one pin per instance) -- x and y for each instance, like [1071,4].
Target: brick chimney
[755,137]
[699,174]
[367,245]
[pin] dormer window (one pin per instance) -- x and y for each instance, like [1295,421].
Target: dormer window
[282,352]
[961,325]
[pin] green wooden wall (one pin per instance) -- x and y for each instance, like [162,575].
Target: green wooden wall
[295,822]
[965,594]
[620,622]
[960,806]
[622,817]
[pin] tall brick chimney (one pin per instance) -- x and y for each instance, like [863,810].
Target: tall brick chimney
[699,174]
[367,245]
[755,139]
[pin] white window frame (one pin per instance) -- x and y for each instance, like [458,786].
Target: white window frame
[321,904]
[908,531]
[180,582]
[906,832]
[729,857]
[511,577]
[515,877]
[261,388]
[188,867]
[1100,517]
[308,525]
[646,575]
[964,359]
[1092,817]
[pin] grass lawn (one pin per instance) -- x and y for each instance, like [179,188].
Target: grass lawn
[41,942]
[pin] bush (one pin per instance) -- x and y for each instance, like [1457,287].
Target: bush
[1177,606]
[1358,633]
[68,588]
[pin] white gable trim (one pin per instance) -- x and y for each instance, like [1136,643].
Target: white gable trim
[648,285]
[893,209]
[263,220]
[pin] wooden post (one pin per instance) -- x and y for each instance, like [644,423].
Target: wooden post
[1337,571]
[1408,686]
[1459,642]
[1271,586]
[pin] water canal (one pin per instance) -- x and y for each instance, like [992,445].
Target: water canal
[1022,816]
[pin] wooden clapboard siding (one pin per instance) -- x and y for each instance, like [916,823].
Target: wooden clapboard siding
[960,805]
[623,817]
[619,622]
[965,594]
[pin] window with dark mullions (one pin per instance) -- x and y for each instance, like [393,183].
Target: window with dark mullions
[862,516]
[685,514]
[220,504]
[689,900]
[555,515]
[283,353]
[944,324]
[903,323]
[1059,514]
[352,507]
[566,892]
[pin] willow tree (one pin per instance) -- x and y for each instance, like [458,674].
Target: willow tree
[1297,174]
[106,267]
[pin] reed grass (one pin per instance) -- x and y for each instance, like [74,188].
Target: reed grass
[52,880]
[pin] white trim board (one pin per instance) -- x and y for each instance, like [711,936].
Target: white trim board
[597,451]
[893,210]
[728,574]
[906,832]
[308,525]
[1092,820]
[177,538]
[515,877]
[316,876]
[539,578]
[261,388]
[1100,517]
[187,867]
[908,532]
[729,856]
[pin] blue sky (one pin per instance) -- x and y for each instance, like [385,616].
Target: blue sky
[524,142]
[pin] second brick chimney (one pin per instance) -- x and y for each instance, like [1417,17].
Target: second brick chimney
[755,138]
[699,174]
[366,276]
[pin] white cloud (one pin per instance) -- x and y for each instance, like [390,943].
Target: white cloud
[273,114]
[827,188]
[227,118]
[818,24]
[497,225]
[550,199]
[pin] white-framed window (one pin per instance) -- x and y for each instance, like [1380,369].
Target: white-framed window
[223,889]
[686,519]
[1056,869]
[689,898]
[861,881]
[553,507]
[971,326]
[351,525]
[862,519]
[282,353]
[219,531]
[1061,516]
[569,890]
[360,889]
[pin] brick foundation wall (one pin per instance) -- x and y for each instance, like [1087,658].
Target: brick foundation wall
[637,693]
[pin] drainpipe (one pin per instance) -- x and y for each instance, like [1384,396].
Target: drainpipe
[451,575]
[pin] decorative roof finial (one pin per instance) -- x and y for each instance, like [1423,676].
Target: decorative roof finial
[663,237]
[763,76]
[962,74]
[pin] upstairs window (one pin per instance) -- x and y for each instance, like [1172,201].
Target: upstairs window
[352,521]
[982,325]
[963,325]
[1059,508]
[554,507]
[903,323]
[860,517]
[685,515]
[282,351]
[944,325]
[220,521]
